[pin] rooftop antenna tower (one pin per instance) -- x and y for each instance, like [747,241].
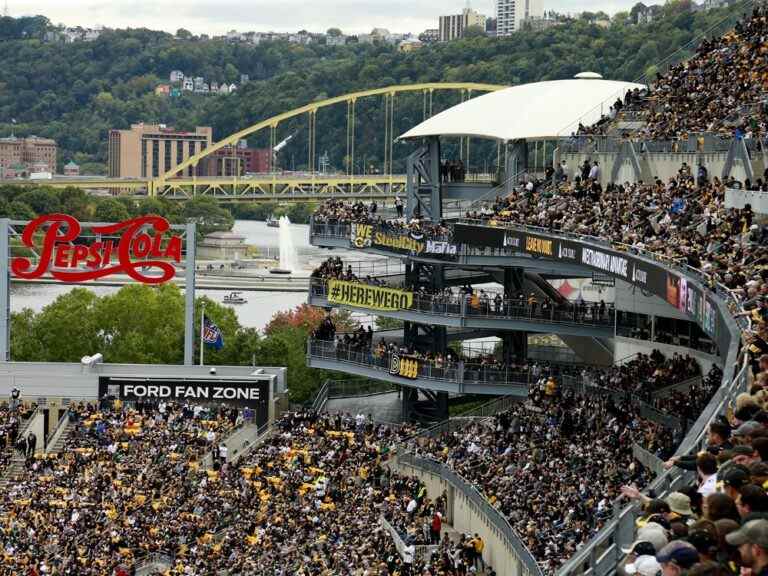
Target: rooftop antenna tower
[5,9]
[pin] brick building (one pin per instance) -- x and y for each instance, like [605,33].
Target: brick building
[230,160]
[32,154]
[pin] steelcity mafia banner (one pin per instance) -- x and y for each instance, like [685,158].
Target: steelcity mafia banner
[651,278]
[366,296]
[411,243]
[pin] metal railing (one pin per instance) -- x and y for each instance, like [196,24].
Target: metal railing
[502,309]
[473,415]
[153,563]
[601,555]
[376,268]
[358,388]
[703,142]
[648,460]
[330,229]
[238,453]
[61,428]
[321,398]
[480,504]
[457,373]
[420,554]
[685,385]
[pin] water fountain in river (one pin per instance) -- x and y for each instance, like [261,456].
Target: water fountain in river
[288,255]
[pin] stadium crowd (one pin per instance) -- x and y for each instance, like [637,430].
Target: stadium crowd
[119,489]
[307,501]
[679,221]
[646,373]
[702,93]
[553,466]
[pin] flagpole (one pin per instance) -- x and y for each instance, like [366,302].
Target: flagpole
[202,330]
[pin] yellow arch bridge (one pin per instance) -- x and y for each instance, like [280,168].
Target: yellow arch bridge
[182,182]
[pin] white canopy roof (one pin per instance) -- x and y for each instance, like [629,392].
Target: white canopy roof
[541,110]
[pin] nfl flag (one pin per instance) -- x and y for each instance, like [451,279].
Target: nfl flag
[212,335]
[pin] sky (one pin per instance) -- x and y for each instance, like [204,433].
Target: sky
[219,16]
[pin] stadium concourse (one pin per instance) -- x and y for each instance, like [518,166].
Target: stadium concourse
[556,465]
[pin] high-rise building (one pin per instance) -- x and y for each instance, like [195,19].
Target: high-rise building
[150,150]
[452,27]
[30,154]
[511,14]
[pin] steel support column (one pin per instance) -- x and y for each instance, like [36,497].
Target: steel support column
[514,344]
[189,296]
[436,196]
[517,162]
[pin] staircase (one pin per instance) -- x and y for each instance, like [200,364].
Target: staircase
[16,466]
[59,435]
[240,443]
[13,472]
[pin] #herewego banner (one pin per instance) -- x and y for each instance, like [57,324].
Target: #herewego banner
[143,245]
[365,296]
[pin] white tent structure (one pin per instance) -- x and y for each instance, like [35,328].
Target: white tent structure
[536,111]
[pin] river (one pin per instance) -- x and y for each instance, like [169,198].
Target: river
[259,309]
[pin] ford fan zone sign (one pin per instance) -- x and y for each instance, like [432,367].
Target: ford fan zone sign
[143,245]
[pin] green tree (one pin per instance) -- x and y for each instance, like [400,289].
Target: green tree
[474,31]
[137,324]
[64,331]
[42,200]
[142,324]
[286,346]
[208,214]
[18,210]
[111,210]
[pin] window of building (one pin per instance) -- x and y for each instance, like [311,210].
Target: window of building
[155,158]
[192,152]
[143,158]
[167,155]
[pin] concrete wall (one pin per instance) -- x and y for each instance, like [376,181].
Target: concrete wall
[630,298]
[466,518]
[37,427]
[662,165]
[625,347]
[58,382]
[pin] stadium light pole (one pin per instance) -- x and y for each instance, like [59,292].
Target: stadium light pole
[5,290]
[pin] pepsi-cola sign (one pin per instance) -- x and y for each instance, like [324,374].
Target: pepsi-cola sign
[143,246]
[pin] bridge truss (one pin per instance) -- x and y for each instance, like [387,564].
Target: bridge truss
[177,183]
